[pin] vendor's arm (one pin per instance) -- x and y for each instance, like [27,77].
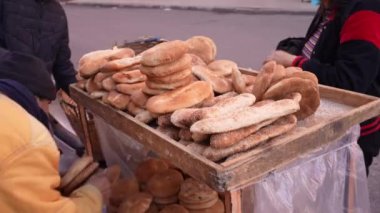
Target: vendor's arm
[29,168]
[63,70]
[358,60]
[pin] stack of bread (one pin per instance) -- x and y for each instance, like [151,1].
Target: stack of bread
[207,104]
[159,187]
[232,123]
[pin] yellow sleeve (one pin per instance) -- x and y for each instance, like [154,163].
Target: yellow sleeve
[29,169]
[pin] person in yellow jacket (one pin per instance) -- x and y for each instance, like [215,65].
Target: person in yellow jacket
[29,157]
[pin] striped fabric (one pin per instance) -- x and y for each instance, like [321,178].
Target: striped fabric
[310,44]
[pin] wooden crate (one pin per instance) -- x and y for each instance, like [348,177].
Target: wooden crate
[339,110]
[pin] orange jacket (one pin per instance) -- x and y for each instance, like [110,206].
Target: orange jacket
[29,168]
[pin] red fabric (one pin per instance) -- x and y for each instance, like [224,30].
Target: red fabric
[362,25]
[364,133]
[373,124]
[302,62]
[296,60]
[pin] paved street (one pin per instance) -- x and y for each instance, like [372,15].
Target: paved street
[246,39]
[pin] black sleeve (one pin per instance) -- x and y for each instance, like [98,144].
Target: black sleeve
[291,45]
[356,68]
[63,70]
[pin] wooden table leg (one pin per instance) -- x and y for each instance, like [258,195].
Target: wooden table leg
[233,202]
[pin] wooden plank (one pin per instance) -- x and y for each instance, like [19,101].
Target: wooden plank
[345,97]
[252,167]
[232,201]
[199,167]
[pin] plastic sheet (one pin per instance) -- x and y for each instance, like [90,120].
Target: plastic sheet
[331,179]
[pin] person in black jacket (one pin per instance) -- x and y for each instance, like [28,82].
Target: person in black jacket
[38,28]
[341,48]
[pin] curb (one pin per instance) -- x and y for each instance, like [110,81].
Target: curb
[245,10]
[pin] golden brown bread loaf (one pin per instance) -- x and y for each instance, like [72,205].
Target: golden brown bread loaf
[245,117]
[146,169]
[139,98]
[202,46]
[309,91]
[108,84]
[218,207]
[98,94]
[99,77]
[227,139]
[279,127]
[174,208]
[186,117]
[164,53]
[138,203]
[90,86]
[120,64]
[90,63]
[165,184]
[129,89]
[149,91]
[196,60]
[238,82]
[144,116]
[129,77]
[122,189]
[219,83]
[211,101]
[118,100]
[177,76]
[196,195]
[170,86]
[183,97]
[184,62]
[249,79]
[133,109]
[263,79]
[222,67]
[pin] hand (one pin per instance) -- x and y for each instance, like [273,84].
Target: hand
[102,183]
[281,57]
[67,99]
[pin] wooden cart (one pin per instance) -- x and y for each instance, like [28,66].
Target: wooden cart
[339,110]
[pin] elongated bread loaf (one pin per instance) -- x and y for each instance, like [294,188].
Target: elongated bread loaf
[307,88]
[175,77]
[245,117]
[183,97]
[168,69]
[263,79]
[129,77]
[164,53]
[279,127]
[119,64]
[212,101]
[129,89]
[238,81]
[223,67]
[202,46]
[219,83]
[139,98]
[184,118]
[92,62]
[227,139]
[169,86]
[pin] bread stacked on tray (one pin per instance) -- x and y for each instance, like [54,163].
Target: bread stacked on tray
[159,187]
[208,105]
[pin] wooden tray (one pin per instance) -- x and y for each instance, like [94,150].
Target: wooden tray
[339,110]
